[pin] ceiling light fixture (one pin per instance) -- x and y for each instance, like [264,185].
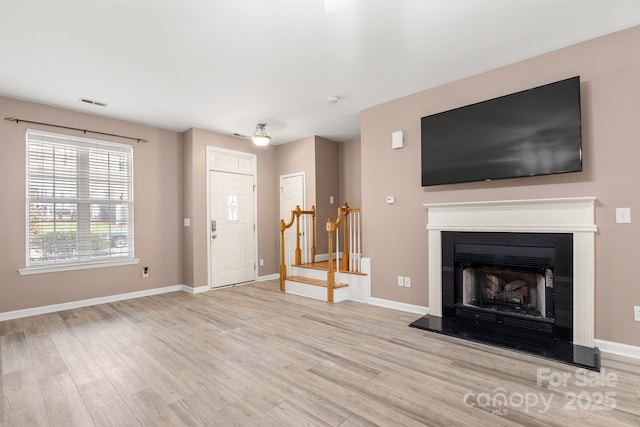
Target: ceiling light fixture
[260,136]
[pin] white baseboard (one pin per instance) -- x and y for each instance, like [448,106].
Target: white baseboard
[619,349]
[195,290]
[274,276]
[409,308]
[322,257]
[16,314]
[325,257]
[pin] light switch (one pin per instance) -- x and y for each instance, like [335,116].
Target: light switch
[187,222]
[623,215]
[391,200]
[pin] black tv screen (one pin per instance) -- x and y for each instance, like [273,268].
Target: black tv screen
[533,132]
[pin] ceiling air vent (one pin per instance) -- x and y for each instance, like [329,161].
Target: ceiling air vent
[93,102]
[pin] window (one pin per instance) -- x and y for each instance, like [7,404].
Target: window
[79,202]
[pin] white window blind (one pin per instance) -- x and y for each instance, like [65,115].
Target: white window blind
[79,200]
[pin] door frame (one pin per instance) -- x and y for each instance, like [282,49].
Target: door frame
[208,168]
[304,190]
[304,194]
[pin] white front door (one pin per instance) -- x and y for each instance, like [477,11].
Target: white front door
[292,195]
[231,228]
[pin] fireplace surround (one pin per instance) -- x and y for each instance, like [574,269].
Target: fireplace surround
[517,274]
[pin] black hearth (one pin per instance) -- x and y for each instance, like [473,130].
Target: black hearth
[513,290]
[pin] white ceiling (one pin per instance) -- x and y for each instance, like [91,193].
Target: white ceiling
[225,65]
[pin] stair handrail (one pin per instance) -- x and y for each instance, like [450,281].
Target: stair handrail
[295,217]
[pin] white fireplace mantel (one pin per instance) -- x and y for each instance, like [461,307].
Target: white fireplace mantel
[562,215]
[538,215]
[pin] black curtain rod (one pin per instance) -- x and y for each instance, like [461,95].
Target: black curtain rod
[85,131]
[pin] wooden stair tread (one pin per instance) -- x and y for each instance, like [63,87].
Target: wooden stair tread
[315,282]
[324,266]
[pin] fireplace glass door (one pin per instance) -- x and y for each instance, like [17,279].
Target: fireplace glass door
[507,289]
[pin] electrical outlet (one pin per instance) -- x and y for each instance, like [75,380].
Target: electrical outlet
[145,272]
[407,282]
[400,281]
[636,313]
[261,262]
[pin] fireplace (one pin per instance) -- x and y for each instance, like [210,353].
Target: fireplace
[512,289]
[516,275]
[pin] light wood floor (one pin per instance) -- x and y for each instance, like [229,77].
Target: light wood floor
[251,356]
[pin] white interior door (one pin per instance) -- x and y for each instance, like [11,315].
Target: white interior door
[291,195]
[231,228]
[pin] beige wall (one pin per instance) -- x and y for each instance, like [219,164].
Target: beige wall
[318,158]
[395,234]
[350,173]
[294,157]
[327,185]
[299,156]
[192,265]
[195,142]
[158,211]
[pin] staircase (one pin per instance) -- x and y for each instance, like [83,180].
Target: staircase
[344,276]
[310,280]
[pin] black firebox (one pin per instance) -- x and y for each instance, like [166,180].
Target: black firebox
[513,290]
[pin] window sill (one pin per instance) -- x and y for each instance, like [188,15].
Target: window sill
[78,266]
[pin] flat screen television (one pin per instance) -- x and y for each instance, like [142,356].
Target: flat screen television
[532,132]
